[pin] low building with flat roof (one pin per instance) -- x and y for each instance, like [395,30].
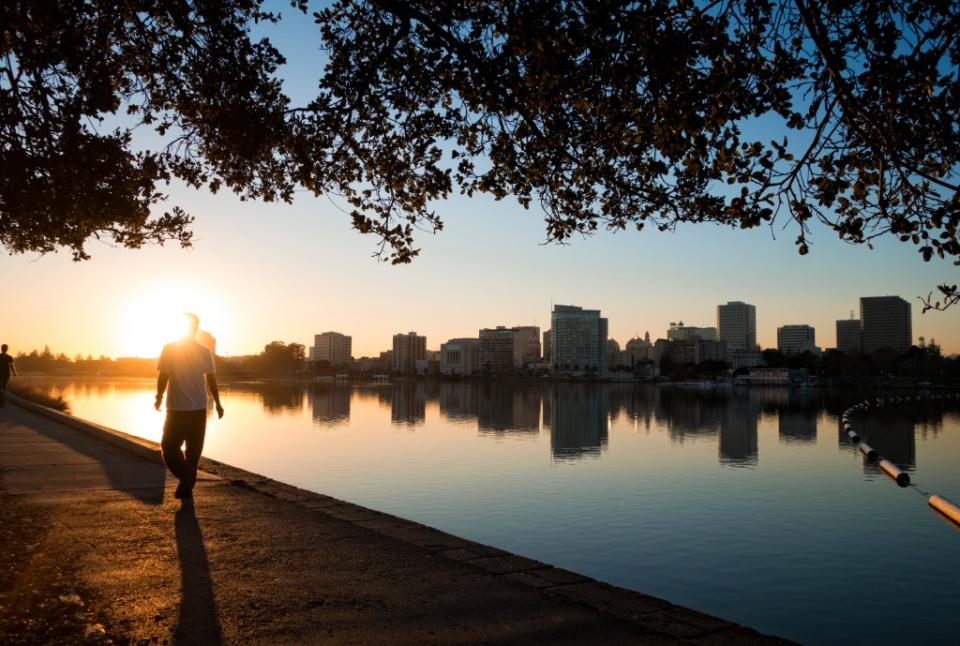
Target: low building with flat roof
[796,339]
[460,357]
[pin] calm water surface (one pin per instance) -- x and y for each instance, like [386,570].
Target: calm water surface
[747,504]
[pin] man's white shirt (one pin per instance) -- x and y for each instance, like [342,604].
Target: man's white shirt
[186,362]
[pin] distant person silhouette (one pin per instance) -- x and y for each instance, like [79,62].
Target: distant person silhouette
[185,365]
[7,369]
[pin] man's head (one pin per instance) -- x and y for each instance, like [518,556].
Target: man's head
[3,348]
[193,324]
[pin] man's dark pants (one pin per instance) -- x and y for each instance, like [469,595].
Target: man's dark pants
[4,380]
[184,427]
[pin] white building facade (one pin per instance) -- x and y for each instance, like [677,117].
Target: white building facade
[332,347]
[459,357]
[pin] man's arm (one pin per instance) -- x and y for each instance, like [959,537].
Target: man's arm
[162,380]
[214,392]
[13,369]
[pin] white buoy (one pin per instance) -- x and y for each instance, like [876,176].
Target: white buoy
[853,436]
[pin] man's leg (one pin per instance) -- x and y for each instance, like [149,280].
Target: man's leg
[194,437]
[173,437]
[3,390]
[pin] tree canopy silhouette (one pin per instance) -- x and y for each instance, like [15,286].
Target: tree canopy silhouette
[603,113]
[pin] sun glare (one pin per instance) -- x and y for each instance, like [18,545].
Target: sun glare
[155,317]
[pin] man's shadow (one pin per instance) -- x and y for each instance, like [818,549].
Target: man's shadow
[198,622]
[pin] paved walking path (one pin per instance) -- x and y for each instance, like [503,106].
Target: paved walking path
[93,547]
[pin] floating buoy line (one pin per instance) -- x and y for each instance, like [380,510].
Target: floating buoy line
[943,506]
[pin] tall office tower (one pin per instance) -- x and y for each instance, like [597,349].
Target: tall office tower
[737,322]
[407,350]
[332,347]
[546,345]
[497,350]
[796,339]
[579,339]
[849,336]
[886,323]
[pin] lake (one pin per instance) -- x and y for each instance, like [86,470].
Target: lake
[744,503]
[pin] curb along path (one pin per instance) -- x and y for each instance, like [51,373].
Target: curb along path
[259,561]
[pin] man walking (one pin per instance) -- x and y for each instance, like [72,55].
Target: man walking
[6,370]
[184,366]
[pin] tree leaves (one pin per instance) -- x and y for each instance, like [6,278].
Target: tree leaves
[605,114]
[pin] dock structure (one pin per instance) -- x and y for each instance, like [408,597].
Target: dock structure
[94,547]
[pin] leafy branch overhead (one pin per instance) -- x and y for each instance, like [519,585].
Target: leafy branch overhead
[604,114]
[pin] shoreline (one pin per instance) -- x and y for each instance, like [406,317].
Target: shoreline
[226,380]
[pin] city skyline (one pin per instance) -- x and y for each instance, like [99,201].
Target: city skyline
[434,343]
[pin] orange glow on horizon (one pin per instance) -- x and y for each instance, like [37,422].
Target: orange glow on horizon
[155,317]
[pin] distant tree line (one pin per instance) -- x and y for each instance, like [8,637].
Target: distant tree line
[924,362]
[47,362]
[277,358]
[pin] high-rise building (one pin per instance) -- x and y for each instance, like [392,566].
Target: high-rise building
[579,339]
[504,349]
[681,332]
[546,346]
[737,322]
[332,347]
[886,323]
[796,339]
[496,355]
[459,356]
[849,336]
[407,350]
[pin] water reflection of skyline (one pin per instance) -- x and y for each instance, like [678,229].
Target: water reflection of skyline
[578,421]
[330,406]
[577,417]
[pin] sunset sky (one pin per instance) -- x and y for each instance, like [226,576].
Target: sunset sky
[262,272]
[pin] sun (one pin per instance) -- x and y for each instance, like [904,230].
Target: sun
[154,317]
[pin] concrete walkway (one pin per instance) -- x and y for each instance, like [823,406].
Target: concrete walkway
[94,549]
